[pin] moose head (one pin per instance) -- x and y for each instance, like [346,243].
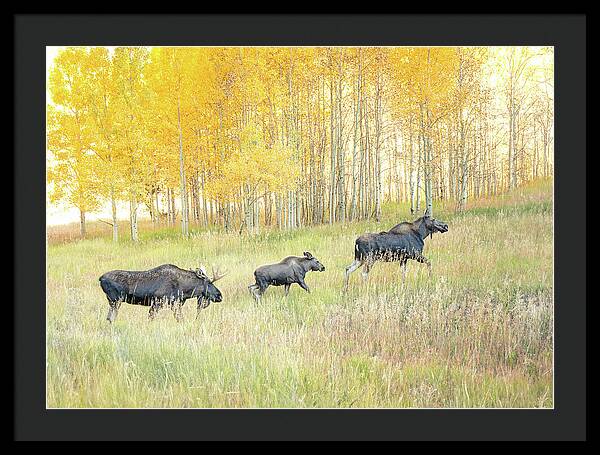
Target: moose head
[429,225]
[314,263]
[209,290]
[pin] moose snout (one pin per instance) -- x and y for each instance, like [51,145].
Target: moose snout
[440,226]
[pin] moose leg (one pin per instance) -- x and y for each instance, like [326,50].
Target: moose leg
[112,311]
[423,260]
[351,268]
[177,307]
[262,286]
[367,269]
[199,308]
[256,291]
[154,307]
[304,286]
[287,289]
[403,264]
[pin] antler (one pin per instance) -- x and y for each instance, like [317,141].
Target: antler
[217,274]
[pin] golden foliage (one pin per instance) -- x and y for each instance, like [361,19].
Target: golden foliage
[251,120]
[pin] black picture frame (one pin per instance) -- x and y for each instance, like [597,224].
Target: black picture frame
[567,421]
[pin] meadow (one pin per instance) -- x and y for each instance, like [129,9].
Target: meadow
[478,333]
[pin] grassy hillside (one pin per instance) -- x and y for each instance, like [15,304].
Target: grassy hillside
[477,334]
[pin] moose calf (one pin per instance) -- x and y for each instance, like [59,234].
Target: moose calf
[290,270]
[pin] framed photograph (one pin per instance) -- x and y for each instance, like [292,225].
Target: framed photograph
[300,227]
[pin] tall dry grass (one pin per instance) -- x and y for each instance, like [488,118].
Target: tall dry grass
[477,334]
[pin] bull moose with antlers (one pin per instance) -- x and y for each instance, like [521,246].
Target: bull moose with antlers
[166,284]
[403,242]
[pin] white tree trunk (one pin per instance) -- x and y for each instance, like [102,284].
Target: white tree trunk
[184,209]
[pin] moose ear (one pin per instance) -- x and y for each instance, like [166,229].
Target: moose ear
[201,273]
[307,255]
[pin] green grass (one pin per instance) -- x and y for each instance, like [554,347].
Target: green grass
[477,334]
